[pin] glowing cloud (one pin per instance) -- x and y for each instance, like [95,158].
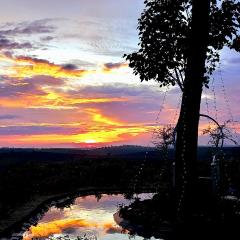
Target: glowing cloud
[26,67]
[44,230]
[96,128]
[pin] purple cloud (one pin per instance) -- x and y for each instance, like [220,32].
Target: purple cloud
[14,90]
[29,130]
[110,66]
[26,28]
[11,87]
[8,44]
[44,80]
[8,117]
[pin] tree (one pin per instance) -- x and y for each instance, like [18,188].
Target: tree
[180,43]
[163,139]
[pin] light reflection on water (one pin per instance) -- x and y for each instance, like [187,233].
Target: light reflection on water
[86,214]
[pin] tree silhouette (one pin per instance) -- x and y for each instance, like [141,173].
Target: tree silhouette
[180,43]
[219,135]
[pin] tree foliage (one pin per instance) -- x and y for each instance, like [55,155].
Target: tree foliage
[164,30]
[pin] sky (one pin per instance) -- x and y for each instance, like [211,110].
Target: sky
[64,82]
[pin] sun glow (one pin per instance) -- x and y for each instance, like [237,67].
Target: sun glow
[90,141]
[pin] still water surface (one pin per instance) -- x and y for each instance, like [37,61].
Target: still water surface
[87,216]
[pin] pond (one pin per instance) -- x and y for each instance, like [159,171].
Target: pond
[89,217]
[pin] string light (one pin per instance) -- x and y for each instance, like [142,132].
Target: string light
[227,102]
[140,170]
[177,110]
[207,106]
[214,99]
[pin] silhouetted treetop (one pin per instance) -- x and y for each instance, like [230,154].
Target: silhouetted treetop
[164,29]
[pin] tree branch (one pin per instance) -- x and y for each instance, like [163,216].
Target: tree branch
[180,73]
[215,121]
[178,80]
[206,116]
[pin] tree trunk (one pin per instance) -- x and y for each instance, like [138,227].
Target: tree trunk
[187,131]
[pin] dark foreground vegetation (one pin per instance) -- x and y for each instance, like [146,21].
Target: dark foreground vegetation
[156,217]
[34,175]
[29,176]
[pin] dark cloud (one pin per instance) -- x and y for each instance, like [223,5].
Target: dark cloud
[6,44]
[47,38]
[113,65]
[83,64]
[34,60]
[70,231]
[70,67]
[26,28]
[8,117]
[53,215]
[9,31]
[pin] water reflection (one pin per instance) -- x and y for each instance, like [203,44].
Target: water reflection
[86,215]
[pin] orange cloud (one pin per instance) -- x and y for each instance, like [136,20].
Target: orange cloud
[27,67]
[98,117]
[52,100]
[94,134]
[109,228]
[38,83]
[101,135]
[94,127]
[44,230]
[32,83]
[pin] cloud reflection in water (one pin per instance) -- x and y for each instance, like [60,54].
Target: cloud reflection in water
[86,214]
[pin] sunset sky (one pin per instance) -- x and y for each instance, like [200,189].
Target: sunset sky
[64,83]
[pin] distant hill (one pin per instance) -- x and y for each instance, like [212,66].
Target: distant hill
[126,151]
[120,150]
